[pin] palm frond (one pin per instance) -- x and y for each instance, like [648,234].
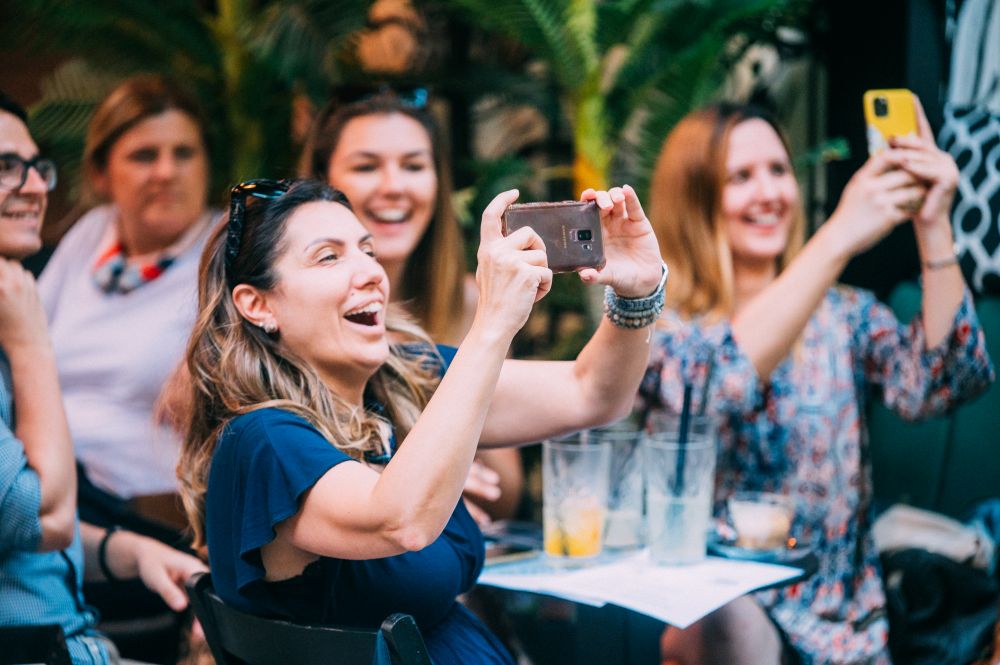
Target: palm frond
[545,26]
[299,40]
[119,34]
[59,120]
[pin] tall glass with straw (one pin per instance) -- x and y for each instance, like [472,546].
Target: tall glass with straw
[679,455]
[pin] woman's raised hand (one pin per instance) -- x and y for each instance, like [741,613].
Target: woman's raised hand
[879,196]
[513,272]
[633,256]
[933,167]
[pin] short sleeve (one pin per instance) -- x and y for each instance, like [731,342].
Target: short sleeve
[690,351]
[266,460]
[20,497]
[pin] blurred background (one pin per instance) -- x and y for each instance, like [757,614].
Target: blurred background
[551,96]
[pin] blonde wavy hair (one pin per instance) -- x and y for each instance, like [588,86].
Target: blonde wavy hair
[686,210]
[237,368]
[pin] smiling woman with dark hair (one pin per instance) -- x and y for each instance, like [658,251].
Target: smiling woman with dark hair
[329,440]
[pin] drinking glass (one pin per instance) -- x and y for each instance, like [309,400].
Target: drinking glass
[574,496]
[624,528]
[680,481]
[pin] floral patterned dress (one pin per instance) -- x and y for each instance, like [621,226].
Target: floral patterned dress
[803,434]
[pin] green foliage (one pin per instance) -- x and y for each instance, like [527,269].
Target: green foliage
[611,78]
[627,70]
[242,59]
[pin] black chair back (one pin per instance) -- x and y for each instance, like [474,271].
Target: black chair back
[237,638]
[33,644]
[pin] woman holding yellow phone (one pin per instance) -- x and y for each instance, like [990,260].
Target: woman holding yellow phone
[795,359]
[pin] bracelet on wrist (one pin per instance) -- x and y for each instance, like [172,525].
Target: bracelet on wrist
[636,313]
[102,554]
[940,263]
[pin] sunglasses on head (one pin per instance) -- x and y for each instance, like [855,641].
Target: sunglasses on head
[414,97]
[14,171]
[238,195]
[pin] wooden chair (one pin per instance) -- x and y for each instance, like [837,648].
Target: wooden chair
[237,638]
[33,644]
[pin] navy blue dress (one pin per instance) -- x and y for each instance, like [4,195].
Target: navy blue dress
[264,462]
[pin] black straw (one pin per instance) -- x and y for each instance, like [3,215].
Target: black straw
[682,439]
[709,369]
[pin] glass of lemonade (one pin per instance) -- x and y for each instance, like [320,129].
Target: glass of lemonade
[575,496]
[680,482]
[623,529]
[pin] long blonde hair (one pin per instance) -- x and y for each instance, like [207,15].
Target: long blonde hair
[433,283]
[237,367]
[685,209]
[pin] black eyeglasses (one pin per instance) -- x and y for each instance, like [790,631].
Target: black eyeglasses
[238,195]
[14,171]
[414,97]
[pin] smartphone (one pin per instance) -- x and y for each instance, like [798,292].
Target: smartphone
[888,113]
[571,231]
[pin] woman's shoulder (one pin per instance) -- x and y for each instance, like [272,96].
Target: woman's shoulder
[85,234]
[278,434]
[265,418]
[675,327]
[849,300]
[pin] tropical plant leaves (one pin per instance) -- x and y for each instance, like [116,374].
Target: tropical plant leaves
[300,40]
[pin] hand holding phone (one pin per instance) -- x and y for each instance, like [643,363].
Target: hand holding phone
[888,114]
[571,231]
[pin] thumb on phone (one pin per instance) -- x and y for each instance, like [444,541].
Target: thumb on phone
[491,230]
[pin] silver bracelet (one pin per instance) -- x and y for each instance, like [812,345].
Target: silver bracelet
[635,313]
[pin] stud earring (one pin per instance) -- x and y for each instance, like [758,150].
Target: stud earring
[270,327]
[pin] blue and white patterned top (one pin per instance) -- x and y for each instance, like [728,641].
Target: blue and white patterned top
[37,587]
[803,434]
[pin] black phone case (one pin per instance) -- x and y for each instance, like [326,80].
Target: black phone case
[559,224]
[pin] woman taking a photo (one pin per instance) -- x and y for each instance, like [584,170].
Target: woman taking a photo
[794,360]
[329,442]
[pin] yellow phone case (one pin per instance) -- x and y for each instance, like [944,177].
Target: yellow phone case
[888,113]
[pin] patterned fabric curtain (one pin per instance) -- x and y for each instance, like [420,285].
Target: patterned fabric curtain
[971,134]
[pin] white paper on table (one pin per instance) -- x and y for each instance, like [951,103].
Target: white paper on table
[678,595]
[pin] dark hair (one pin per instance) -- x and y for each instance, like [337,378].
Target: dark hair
[10,106]
[236,367]
[263,230]
[433,282]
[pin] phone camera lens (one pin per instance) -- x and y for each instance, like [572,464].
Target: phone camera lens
[584,234]
[881,107]
[587,246]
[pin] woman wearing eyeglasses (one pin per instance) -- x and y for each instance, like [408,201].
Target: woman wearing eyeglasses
[120,288]
[385,151]
[329,440]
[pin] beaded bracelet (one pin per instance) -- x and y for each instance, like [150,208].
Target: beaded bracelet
[102,554]
[635,312]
